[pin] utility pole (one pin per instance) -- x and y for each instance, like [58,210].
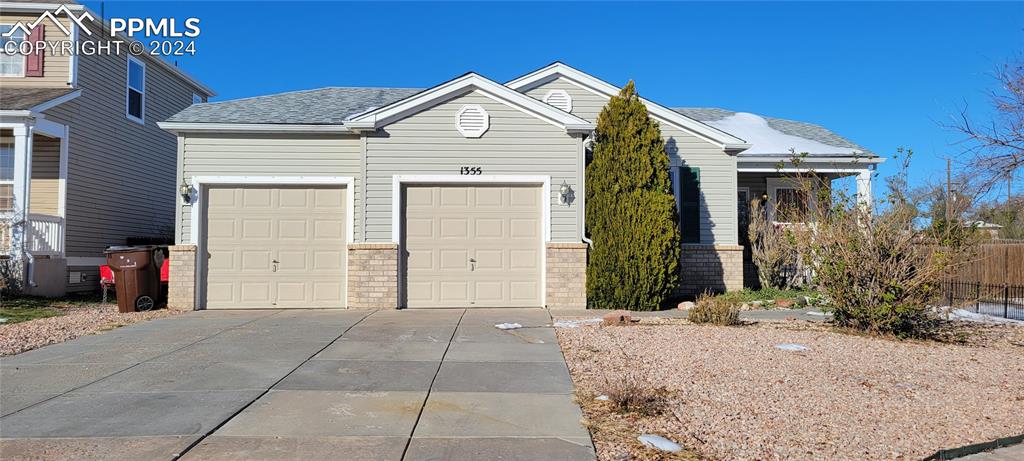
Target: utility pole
[949,192]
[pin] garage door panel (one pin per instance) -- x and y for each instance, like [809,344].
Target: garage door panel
[421,260]
[498,227]
[527,229]
[328,229]
[256,228]
[454,228]
[275,247]
[453,259]
[255,261]
[292,229]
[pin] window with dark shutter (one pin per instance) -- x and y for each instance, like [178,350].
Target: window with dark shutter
[688,195]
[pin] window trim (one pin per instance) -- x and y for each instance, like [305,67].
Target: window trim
[128,88]
[24,60]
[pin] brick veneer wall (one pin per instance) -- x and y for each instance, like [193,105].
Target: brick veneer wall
[373,275]
[566,275]
[181,285]
[714,268]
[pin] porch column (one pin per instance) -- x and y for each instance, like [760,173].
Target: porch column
[22,186]
[864,187]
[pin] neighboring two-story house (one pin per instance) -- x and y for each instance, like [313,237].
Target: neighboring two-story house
[83,165]
[466,194]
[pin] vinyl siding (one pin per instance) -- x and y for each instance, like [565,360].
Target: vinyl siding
[56,67]
[717,169]
[428,143]
[45,176]
[268,155]
[121,174]
[585,103]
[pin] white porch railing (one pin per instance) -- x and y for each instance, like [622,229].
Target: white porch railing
[44,234]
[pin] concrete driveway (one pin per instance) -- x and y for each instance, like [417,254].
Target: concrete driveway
[249,385]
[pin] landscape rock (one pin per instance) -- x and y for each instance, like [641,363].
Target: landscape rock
[686,305]
[784,303]
[617,318]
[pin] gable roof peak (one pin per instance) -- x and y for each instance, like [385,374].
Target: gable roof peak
[381,116]
[558,69]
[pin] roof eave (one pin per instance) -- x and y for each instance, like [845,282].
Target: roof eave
[194,127]
[56,101]
[41,6]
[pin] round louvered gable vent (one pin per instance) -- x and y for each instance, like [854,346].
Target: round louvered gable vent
[472,121]
[559,99]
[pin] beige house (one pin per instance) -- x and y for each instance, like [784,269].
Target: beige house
[83,165]
[467,194]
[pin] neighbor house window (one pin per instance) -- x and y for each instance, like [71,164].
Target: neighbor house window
[686,186]
[136,90]
[196,99]
[11,65]
[6,175]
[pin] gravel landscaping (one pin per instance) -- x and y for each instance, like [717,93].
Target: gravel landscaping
[730,393]
[74,322]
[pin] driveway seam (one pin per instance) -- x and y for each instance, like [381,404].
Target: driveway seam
[137,364]
[196,442]
[430,388]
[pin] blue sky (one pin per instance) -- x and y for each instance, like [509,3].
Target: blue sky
[884,75]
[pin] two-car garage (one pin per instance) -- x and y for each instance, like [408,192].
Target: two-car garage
[285,246]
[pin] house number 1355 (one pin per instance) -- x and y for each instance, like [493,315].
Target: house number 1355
[470,171]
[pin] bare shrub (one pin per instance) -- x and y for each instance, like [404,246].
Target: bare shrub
[632,392]
[879,269]
[772,250]
[714,310]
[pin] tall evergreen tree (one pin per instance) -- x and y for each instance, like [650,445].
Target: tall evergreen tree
[631,212]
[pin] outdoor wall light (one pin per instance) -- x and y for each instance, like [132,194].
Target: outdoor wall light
[565,194]
[186,192]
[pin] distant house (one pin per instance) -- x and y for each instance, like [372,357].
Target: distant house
[467,194]
[991,230]
[83,165]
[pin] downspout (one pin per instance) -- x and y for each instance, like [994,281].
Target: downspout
[584,141]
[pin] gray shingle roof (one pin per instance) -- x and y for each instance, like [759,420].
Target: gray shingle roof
[27,98]
[805,130]
[322,106]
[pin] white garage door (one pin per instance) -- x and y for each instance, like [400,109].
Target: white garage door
[473,246]
[275,247]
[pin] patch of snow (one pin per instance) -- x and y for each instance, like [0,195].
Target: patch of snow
[966,315]
[601,398]
[508,326]
[767,140]
[792,347]
[575,323]
[819,313]
[3,319]
[660,443]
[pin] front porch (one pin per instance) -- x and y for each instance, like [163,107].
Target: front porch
[776,185]
[33,162]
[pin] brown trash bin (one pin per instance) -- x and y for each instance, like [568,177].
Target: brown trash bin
[136,276]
